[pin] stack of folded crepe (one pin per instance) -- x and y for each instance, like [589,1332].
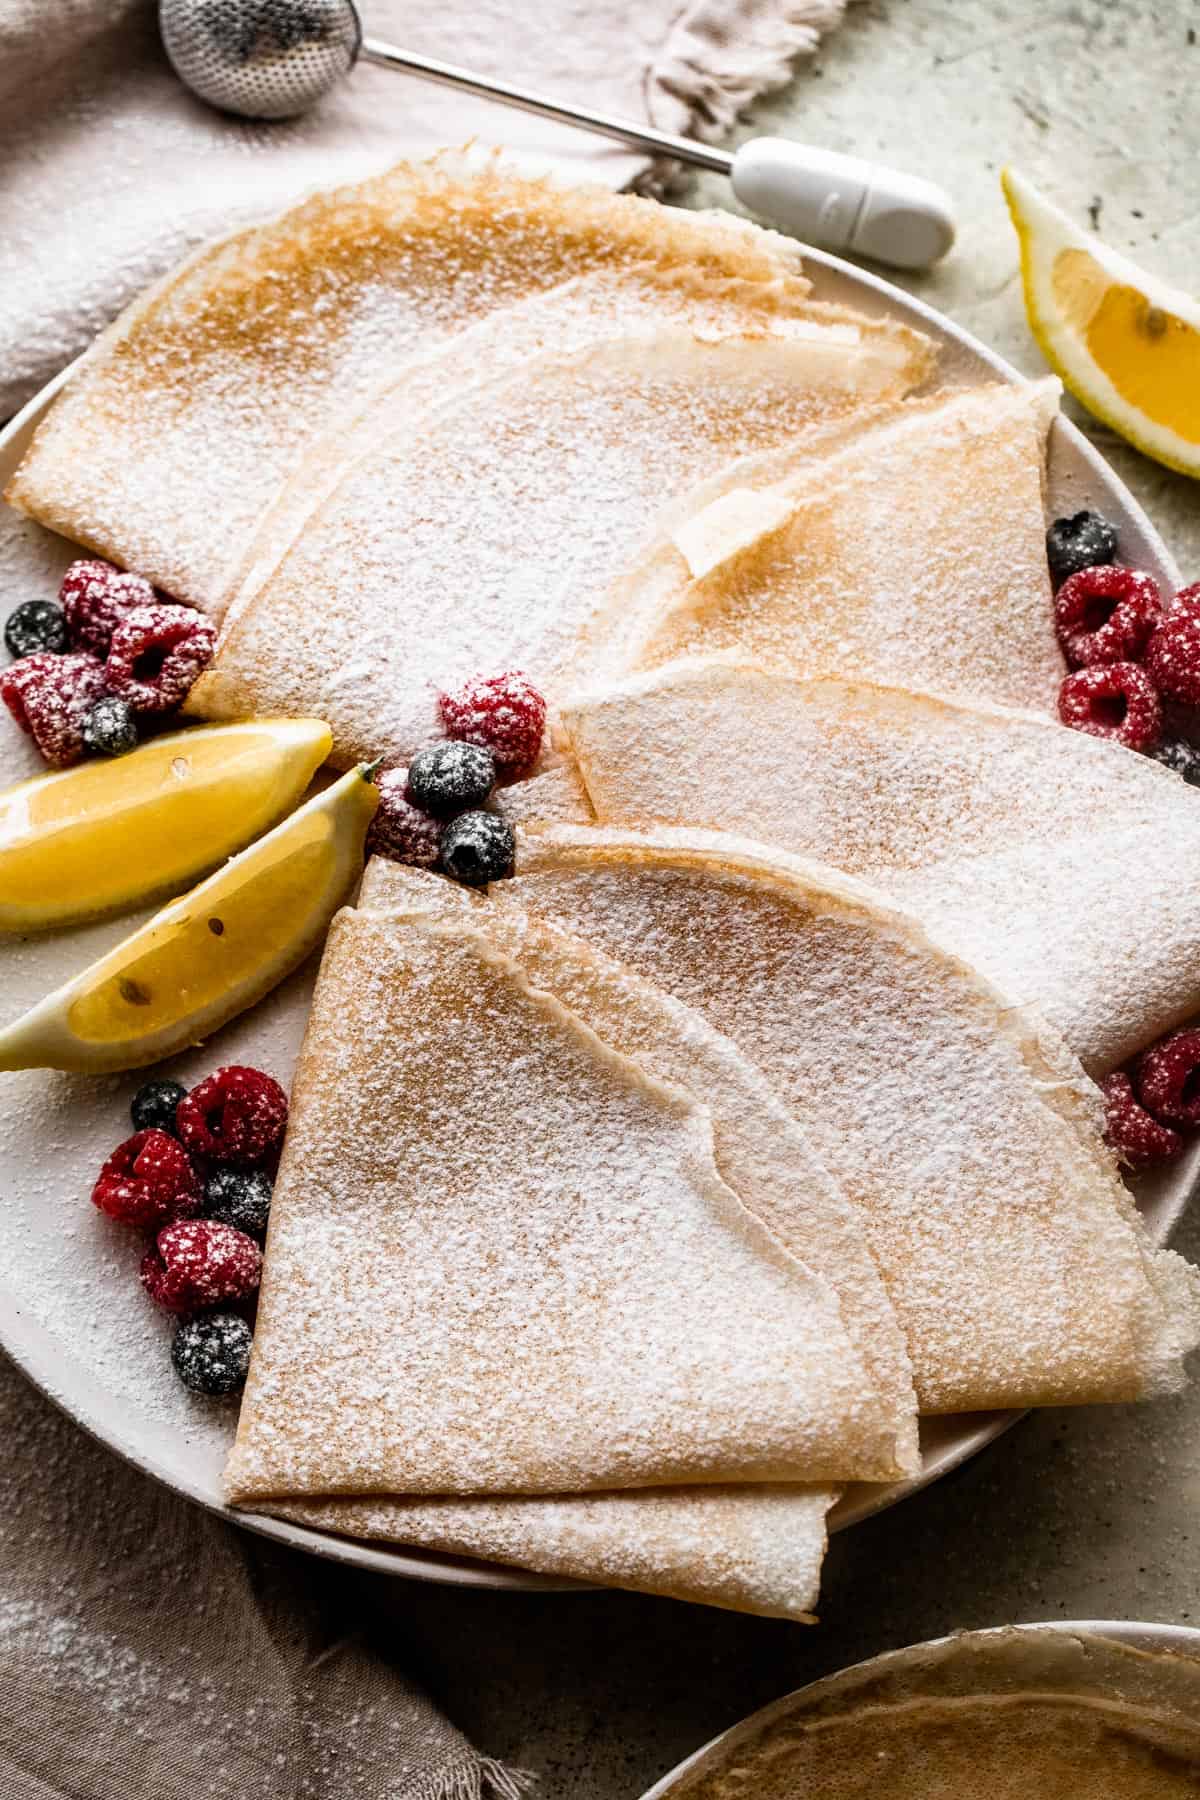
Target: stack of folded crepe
[622,1212]
[629,1212]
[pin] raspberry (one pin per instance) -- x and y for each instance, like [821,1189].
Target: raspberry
[35,625]
[1106,615]
[96,597]
[1114,700]
[478,848]
[50,697]
[1138,1139]
[148,1181]
[1173,655]
[504,713]
[399,829]
[212,1354]
[1080,542]
[451,778]
[237,1117]
[156,654]
[1168,1078]
[1187,601]
[200,1263]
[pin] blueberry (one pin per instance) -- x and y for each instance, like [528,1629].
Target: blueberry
[1184,758]
[242,1200]
[1080,542]
[110,729]
[154,1104]
[36,625]
[478,848]
[451,778]
[211,1354]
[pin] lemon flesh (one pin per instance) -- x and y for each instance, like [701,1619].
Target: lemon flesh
[1125,343]
[211,954]
[108,836]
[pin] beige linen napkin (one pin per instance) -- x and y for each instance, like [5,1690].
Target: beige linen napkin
[110,171]
[150,1652]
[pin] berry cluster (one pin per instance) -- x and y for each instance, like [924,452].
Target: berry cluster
[1151,1104]
[434,813]
[94,665]
[1131,657]
[197,1175]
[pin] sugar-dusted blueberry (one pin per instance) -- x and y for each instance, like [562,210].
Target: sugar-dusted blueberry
[1184,758]
[153,1106]
[239,1197]
[110,728]
[211,1354]
[36,625]
[1079,542]
[450,778]
[478,848]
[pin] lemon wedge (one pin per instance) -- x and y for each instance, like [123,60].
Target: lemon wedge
[1125,343]
[107,836]
[211,954]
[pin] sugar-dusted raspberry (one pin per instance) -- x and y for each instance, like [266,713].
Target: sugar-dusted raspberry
[50,697]
[1113,700]
[156,654]
[1138,1139]
[400,830]
[1106,615]
[236,1117]
[1168,1078]
[148,1181]
[1173,654]
[201,1263]
[96,597]
[505,713]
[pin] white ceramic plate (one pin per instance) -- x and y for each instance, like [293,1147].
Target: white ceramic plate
[71,1313]
[1150,1639]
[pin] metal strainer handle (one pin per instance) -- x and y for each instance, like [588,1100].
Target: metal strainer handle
[272,59]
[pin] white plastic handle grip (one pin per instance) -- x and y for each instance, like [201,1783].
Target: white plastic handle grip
[844,203]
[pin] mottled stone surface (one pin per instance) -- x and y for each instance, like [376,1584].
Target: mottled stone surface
[1072,1515]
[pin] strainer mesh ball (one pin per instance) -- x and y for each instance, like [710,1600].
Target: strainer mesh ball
[264,59]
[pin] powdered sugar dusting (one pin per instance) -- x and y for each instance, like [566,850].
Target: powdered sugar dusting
[1008,1244]
[502,1211]
[1047,859]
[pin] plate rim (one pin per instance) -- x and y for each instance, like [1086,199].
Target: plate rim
[36,1355]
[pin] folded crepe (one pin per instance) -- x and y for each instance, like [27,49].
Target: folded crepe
[908,549]
[1051,860]
[962,1126]
[854,361]
[757,1548]
[487,537]
[193,408]
[503,1259]
[754,1549]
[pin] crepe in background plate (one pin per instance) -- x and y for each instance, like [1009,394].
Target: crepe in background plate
[964,1128]
[194,407]
[911,549]
[502,1259]
[487,538]
[1052,861]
